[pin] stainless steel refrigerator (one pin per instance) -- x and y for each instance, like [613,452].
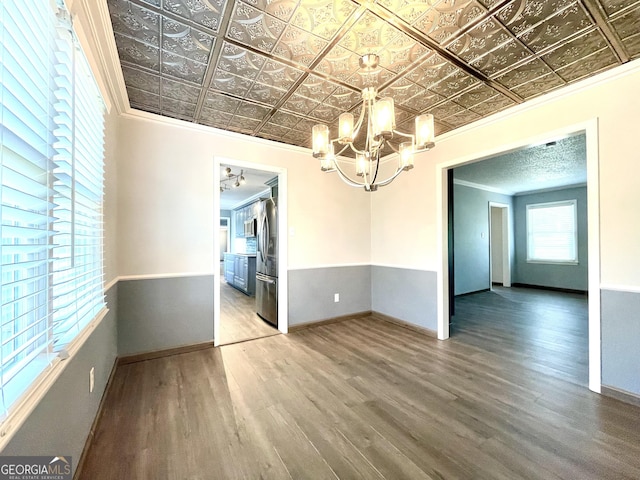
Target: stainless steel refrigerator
[267,262]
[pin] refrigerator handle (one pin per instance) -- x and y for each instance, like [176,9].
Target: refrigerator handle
[264,278]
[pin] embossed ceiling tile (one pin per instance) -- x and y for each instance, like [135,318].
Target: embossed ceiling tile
[180,91]
[252,110]
[254,28]
[285,119]
[220,102]
[454,84]
[316,88]
[401,90]
[207,13]
[265,94]
[134,21]
[539,86]
[408,10]
[554,30]
[325,113]
[401,52]
[175,107]
[137,52]
[282,9]
[368,35]
[299,46]
[184,41]
[424,101]
[573,51]
[278,75]
[632,44]
[524,73]
[441,127]
[446,109]
[431,71]
[627,25]
[273,129]
[146,99]
[614,6]
[306,124]
[343,98]
[473,97]
[322,17]
[239,61]
[339,63]
[489,4]
[448,17]
[462,118]
[243,125]
[298,137]
[481,39]
[229,83]
[521,15]
[155,3]
[141,79]
[403,116]
[590,65]
[382,76]
[493,105]
[300,105]
[501,58]
[183,68]
[214,117]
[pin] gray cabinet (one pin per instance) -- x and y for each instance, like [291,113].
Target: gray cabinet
[240,272]
[244,214]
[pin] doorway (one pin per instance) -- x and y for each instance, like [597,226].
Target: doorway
[589,129]
[235,313]
[499,245]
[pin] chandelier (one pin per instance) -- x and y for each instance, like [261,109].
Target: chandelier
[377,119]
[225,183]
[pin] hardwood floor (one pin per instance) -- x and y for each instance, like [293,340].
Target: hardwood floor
[546,329]
[238,318]
[368,399]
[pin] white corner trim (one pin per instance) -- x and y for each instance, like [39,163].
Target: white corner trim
[620,288]
[480,186]
[32,397]
[154,276]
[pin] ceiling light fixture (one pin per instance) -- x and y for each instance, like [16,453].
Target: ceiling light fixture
[230,176]
[377,117]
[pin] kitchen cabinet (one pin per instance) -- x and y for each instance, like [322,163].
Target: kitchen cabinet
[243,214]
[240,272]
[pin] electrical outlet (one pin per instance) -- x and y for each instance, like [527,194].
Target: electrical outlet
[336,297]
[91,379]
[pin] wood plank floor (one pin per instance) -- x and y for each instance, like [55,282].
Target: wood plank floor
[238,318]
[365,399]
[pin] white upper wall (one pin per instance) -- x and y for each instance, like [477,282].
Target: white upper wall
[404,231]
[166,200]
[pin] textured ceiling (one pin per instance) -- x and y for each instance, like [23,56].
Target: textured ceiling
[552,165]
[274,68]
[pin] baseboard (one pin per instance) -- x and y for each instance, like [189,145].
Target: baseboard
[318,323]
[473,293]
[621,395]
[94,424]
[141,357]
[401,323]
[553,289]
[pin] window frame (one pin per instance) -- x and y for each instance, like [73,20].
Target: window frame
[528,234]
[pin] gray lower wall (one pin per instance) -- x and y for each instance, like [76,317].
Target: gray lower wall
[574,277]
[408,295]
[471,236]
[60,423]
[161,313]
[311,292]
[620,326]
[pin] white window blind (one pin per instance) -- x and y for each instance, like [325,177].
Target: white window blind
[552,232]
[51,172]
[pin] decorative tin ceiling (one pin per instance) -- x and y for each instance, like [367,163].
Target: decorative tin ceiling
[274,68]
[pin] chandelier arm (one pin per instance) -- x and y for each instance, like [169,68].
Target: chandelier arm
[345,178]
[390,179]
[408,135]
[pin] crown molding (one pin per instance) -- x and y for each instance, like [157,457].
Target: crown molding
[480,186]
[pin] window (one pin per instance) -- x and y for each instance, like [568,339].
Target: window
[51,191]
[552,233]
